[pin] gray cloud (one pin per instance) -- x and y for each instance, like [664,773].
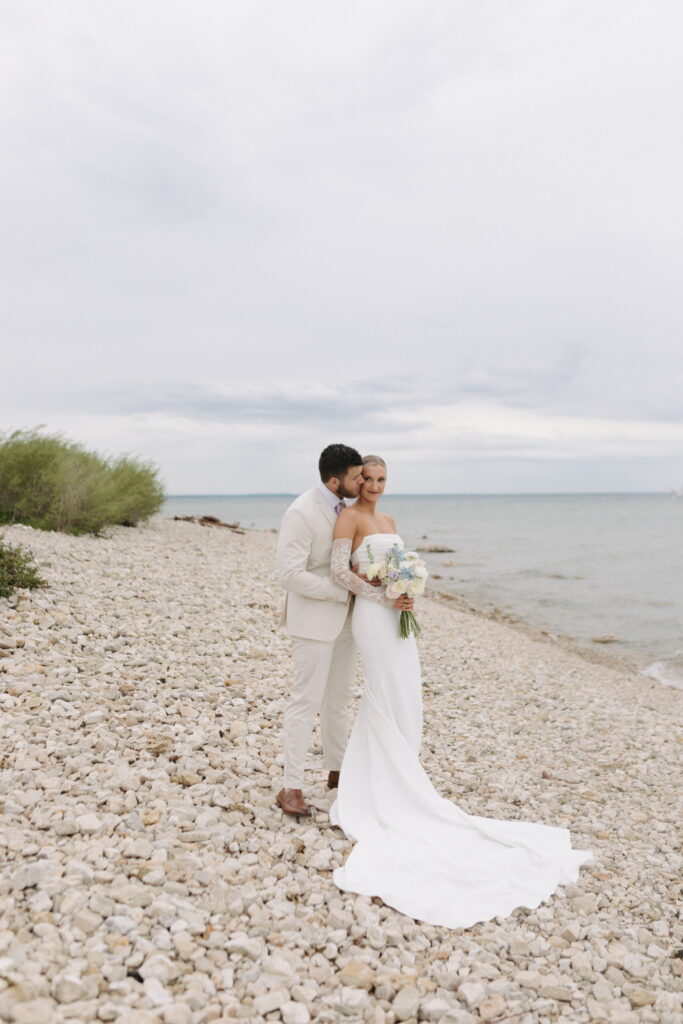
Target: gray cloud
[345,218]
[323,401]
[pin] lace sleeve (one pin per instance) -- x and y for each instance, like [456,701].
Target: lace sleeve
[343,574]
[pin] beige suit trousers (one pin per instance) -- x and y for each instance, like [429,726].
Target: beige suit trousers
[323,676]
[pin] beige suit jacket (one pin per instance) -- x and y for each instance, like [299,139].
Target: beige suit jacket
[315,607]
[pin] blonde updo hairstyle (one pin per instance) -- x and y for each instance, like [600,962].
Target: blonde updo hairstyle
[373,460]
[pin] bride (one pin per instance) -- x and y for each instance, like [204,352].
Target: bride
[419,852]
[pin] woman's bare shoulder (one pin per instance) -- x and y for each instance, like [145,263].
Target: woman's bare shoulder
[347,515]
[346,524]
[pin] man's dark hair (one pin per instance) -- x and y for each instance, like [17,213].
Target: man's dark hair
[336,459]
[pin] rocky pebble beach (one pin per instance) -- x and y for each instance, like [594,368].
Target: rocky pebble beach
[147,876]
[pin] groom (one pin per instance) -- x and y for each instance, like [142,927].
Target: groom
[317,615]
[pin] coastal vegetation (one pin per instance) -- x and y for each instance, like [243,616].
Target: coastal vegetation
[51,483]
[17,569]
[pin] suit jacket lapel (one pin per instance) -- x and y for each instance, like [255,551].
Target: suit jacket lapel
[327,509]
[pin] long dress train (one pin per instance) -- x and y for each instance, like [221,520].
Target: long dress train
[417,851]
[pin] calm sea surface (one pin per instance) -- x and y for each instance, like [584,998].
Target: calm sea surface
[579,565]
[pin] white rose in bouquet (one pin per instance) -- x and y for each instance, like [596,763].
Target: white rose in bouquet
[404,573]
[416,587]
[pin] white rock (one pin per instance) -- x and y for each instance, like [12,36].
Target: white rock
[154,876]
[376,937]
[35,1011]
[79,870]
[549,990]
[141,848]
[278,966]
[107,1011]
[270,1001]
[406,1002]
[177,1013]
[357,974]
[492,1007]
[120,923]
[472,993]
[159,966]
[433,1009]
[294,1013]
[30,875]
[321,860]
[528,979]
[7,966]
[88,823]
[571,931]
[184,944]
[40,902]
[156,992]
[86,920]
[635,966]
[642,997]
[248,947]
[127,780]
[67,988]
[93,717]
[351,1001]
[456,1015]
[519,947]
[582,965]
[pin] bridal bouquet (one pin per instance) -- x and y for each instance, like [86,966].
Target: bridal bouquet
[403,572]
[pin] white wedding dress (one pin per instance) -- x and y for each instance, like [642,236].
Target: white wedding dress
[414,849]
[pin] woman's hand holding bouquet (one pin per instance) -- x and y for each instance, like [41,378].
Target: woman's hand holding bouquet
[404,574]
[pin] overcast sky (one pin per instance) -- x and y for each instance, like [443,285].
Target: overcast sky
[450,233]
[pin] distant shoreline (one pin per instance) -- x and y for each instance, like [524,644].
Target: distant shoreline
[456,494]
[596,655]
[553,562]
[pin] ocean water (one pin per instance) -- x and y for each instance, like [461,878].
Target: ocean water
[581,566]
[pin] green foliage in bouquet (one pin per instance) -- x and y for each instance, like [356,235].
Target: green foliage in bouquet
[17,569]
[51,483]
[408,624]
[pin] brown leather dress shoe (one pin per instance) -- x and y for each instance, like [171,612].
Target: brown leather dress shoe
[292,802]
[333,780]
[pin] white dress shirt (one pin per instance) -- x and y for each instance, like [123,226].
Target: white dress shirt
[332,500]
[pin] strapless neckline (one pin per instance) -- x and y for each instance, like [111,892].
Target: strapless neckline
[369,535]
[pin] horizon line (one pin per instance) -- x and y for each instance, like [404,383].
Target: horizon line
[444,494]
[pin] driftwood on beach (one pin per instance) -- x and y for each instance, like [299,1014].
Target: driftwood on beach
[209,521]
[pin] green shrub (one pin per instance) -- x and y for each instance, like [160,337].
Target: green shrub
[54,484]
[17,569]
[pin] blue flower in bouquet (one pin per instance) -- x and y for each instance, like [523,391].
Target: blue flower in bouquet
[404,572]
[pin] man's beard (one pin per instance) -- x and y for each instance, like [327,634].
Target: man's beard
[343,492]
